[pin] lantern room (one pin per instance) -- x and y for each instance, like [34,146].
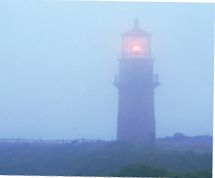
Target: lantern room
[136,43]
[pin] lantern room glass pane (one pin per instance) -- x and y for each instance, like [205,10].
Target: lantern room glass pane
[135,47]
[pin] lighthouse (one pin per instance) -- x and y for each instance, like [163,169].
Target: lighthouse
[136,83]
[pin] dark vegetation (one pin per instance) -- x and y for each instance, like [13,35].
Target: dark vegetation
[101,159]
[139,169]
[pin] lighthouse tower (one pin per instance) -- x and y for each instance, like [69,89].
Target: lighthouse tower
[136,83]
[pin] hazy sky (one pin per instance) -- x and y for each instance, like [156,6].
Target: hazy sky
[58,59]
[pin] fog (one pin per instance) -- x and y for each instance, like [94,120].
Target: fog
[58,60]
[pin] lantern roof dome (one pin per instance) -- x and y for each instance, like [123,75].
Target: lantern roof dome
[136,30]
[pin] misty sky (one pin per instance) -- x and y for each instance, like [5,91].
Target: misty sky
[58,59]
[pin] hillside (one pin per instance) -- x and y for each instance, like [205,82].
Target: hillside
[98,158]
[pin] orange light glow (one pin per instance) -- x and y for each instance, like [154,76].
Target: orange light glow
[136,48]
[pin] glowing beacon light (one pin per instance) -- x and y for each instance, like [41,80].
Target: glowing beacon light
[136,43]
[136,49]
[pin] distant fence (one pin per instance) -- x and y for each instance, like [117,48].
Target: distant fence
[47,141]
